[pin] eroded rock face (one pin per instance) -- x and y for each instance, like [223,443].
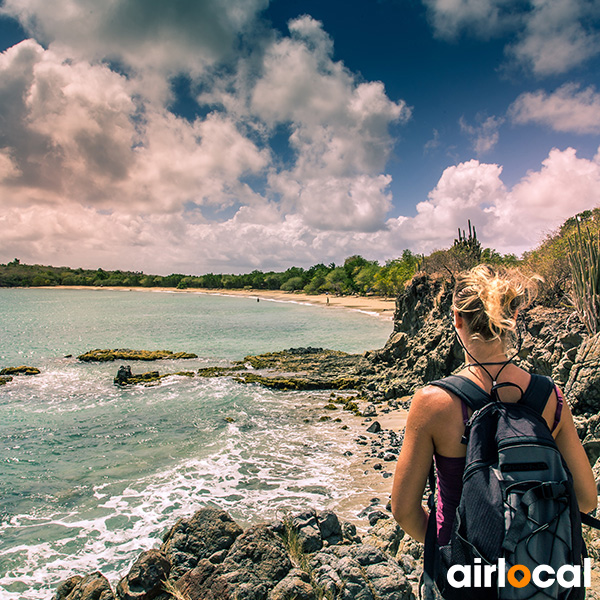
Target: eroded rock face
[144,580]
[583,386]
[91,587]
[360,572]
[255,564]
[208,532]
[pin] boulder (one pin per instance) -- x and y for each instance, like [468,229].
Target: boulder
[330,527]
[91,587]
[386,535]
[144,580]
[306,526]
[294,586]
[210,530]
[360,572]
[583,386]
[257,561]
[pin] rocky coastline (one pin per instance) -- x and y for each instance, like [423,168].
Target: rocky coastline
[307,555]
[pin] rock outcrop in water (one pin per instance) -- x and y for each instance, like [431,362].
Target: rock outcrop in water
[299,369]
[22,370]
[99,355]
[209,557]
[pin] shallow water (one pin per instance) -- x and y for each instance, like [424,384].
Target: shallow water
[92,474]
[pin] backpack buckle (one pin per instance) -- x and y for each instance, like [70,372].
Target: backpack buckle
[547,491]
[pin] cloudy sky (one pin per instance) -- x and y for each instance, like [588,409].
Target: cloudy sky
[228,135]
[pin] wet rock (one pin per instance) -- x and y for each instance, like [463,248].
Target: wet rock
[375,427]
[123,376]
[377,515]
[144,580]
[91,587]
[22,370]
[5,379]
[370,411]
[210,530]
[99,355]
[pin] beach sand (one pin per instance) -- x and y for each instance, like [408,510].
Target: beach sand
[376,305]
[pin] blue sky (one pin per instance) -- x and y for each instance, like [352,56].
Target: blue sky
[229,135]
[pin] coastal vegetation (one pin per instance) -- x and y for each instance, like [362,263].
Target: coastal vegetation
[555,259]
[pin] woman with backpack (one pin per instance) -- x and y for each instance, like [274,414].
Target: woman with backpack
[485,308]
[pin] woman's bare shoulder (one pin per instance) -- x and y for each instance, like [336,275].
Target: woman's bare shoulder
[432,402]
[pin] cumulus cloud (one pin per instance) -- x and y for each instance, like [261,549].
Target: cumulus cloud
[557,36]
[550,36]
[510,220]
[568,109]
[484,135]
[179,36]
[484,18]
[339,131]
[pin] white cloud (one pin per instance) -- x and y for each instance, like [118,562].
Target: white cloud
[183,35]
[75,133]
[568,109]
[484,135]
[484,18]
[550,36]
[510,220]
[340,131]
[557,36]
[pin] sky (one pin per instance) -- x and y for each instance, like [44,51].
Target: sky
[196,136]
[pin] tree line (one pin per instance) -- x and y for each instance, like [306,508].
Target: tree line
[356,275]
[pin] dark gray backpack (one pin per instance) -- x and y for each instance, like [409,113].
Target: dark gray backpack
[517,503]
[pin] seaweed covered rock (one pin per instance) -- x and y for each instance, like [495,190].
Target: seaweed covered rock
[299,369]
[22,370]
[99,355]
[206,533]
[5,379]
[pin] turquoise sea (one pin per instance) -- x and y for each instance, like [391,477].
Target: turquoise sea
[92,474]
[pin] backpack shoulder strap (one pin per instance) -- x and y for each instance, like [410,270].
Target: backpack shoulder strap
[468,391]
[537,393]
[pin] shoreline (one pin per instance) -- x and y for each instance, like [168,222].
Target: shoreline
[379,306]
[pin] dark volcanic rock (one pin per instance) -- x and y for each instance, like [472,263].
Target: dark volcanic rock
[294,586]
[306,526]
[144,580]
[583,387]
[256,563]
[210,530]
[422,346]
[91,587]
[360,572]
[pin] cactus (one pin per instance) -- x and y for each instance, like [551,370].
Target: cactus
[584,260]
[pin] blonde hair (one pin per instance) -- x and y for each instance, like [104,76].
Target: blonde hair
[488,300]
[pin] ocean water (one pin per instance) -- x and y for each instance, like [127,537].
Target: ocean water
[92,474]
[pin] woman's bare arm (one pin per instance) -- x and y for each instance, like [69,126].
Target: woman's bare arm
[572,451]
[413,467]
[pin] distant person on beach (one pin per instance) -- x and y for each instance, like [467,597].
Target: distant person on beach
[484,312]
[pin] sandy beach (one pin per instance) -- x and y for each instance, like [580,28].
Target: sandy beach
[376,305]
